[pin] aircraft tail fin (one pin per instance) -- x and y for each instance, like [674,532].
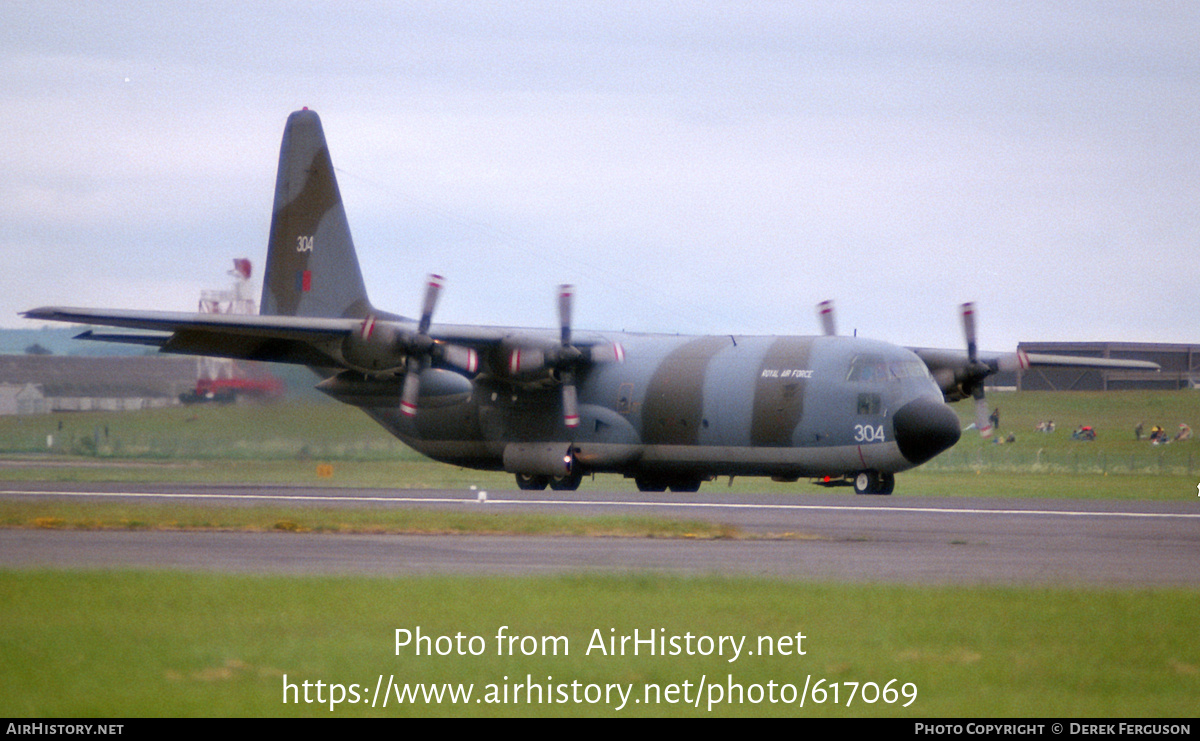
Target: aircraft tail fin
[312,269]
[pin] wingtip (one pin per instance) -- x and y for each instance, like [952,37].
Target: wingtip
[41,312]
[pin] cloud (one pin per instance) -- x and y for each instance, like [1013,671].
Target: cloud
[718,168]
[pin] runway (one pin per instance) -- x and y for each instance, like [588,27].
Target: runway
[815,537]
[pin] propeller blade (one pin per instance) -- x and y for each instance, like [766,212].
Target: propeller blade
[968,320]
[566,296]
[983,421]
[570,401]
[976,373]
[432,289]
[568,354]
[421,347]
[825,313]
[368,327]
[412,388]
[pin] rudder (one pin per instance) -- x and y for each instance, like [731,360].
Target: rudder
[312,269]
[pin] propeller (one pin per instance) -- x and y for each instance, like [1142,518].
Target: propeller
[564,359]
[825,313]
[975,373]
[421,350]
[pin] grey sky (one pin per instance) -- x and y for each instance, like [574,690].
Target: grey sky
[693,167]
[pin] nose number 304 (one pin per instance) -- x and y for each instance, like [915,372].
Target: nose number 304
[868,433]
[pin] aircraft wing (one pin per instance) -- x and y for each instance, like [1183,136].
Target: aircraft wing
[958,375]
[279,339]
[311,341]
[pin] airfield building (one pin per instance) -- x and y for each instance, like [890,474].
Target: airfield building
[34,384]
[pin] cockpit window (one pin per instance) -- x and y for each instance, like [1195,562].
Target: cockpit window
[875,369]
[908,369]
[867,368]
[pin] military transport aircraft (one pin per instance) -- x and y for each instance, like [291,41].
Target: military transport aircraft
[552,406]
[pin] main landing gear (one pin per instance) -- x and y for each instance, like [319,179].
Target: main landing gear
[537,482]
[662,483]
[874,482]
[532,481]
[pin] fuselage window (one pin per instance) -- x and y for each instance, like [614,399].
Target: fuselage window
[869,403]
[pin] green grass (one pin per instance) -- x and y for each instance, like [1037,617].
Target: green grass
[136,644]
[289,430]
[1113,415]
[155,644]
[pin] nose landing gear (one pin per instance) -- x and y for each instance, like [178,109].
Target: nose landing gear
[874,482]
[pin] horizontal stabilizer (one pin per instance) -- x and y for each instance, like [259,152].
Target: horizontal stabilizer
[153,340]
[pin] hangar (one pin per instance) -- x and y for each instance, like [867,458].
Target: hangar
[36,384]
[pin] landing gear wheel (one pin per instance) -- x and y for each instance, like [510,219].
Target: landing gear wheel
[570,482]
[873,482]
[887,482]
[865,482]
[532,481]
[685,485]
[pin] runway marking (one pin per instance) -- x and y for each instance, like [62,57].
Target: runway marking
[470,497]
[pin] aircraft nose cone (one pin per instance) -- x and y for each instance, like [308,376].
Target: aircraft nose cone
[925,427]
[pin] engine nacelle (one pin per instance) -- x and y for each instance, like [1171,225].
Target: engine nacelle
[376,347]
[525,359]
[950,384]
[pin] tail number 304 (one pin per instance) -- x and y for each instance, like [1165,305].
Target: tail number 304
[868,433]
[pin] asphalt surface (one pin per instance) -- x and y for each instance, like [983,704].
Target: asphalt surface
[818,537]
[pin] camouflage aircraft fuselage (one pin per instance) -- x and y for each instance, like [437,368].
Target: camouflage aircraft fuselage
[680,410]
